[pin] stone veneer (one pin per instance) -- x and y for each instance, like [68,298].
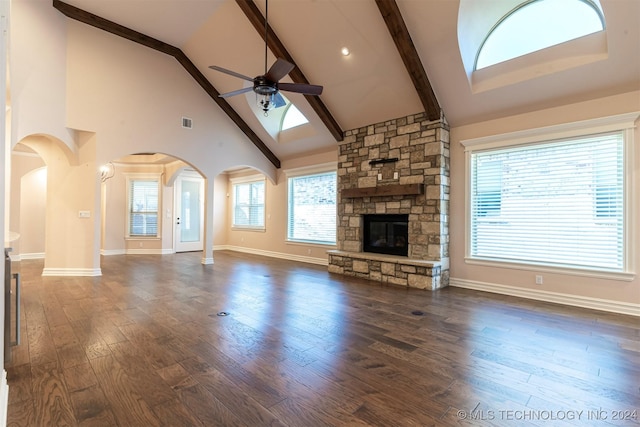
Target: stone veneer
[422,149]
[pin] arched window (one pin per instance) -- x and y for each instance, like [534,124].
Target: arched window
[537,24]
[292,117]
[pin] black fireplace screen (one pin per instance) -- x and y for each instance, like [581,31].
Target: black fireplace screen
[386,234]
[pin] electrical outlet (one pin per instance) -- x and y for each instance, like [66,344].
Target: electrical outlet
[539,280]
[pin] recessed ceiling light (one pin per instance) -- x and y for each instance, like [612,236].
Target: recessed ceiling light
[345,51]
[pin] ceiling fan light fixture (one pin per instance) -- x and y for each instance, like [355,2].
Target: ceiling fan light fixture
[266,102]
[267,86]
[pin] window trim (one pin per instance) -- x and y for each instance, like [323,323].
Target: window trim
[133,176]
[248,180]
[318,169]
[621,122]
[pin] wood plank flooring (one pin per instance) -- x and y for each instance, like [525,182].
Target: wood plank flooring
[142,345]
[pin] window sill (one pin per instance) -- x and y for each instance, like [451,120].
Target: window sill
[143,238]
[309,242]
[598,274]
[258,229]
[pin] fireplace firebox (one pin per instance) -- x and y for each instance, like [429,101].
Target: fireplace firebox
[386,234]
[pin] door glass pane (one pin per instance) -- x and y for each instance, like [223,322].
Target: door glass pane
[190,212]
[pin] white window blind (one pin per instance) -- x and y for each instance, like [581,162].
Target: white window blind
[312,208]
[248,204]
[143,207]
[556,203]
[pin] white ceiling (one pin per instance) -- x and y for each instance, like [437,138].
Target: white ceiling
[372,84]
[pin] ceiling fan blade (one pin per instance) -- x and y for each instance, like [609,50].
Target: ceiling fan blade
[236,92]
[232,73]
[302,88]
[279,69]
[279,101]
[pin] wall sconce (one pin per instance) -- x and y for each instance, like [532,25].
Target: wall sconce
[107,171]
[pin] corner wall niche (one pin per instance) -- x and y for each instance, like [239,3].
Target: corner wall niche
[415,184]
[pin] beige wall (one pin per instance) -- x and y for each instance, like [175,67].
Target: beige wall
[27,206]
[134,98]
[38,72]
[101,98]
[33,198]
[115,210]
[115,240]
[220,218]
[580,289]
[272,241]
[71,239]
[82,86]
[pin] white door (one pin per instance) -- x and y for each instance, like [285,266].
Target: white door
[189,212]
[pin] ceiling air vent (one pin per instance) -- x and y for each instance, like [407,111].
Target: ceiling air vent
[187,123]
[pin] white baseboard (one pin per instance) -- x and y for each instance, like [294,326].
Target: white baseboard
[35,255]
[143,251]
[109,252]
[69,272]
[307,259]
[566,299]
[4,399]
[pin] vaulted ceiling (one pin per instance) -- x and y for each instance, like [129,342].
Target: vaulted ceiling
[407,56]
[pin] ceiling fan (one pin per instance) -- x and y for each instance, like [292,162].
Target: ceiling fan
[268,86]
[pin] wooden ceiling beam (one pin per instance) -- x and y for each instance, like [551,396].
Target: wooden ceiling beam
[134,36]
[277,47]
[401,37]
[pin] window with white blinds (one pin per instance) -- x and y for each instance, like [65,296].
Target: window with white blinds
[248,204]
[312,208]
[556,203]
[143,207]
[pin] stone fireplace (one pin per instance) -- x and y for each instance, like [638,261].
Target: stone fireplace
[399,167]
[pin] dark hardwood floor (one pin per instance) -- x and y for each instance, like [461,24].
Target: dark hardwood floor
[143,345]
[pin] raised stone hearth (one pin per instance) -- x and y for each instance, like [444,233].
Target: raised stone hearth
[397,167]
[393,269]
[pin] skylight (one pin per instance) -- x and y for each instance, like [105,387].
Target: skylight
[293,117]
[537,24]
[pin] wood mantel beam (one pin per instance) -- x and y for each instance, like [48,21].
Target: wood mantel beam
[401,37]
[275,45]
[384,190]
[134,36]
